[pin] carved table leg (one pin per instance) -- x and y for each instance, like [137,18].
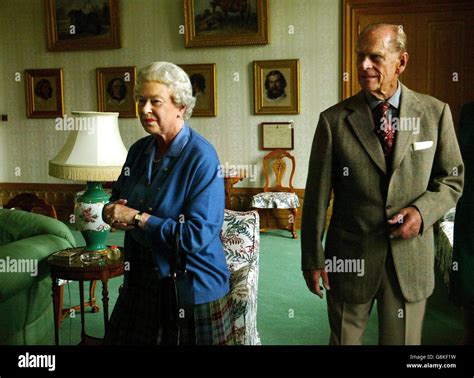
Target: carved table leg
[293,224]
[92,300]
[81,296]
[227,190]
[105,301]
[56,308]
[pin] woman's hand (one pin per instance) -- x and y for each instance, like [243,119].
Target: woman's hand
[119,216]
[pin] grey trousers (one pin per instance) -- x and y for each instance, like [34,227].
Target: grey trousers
[400,322]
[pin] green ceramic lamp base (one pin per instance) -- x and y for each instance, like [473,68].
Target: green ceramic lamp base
[88,213]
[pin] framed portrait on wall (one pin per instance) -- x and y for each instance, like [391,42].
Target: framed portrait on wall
[276,86]
[115,90]
[203,80]
[44,93]
[82,24]
[277,135]
[226,23]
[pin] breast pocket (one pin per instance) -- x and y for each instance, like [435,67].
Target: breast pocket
[423,158]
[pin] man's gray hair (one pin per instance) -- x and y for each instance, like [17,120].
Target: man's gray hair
[174,78]
[398,43]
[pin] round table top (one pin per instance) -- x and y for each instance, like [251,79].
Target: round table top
[81,260]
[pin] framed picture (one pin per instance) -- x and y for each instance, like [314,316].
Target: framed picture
[203,80]
[276,86]
[277,135]
[44,93]
[82,24]
[225,23]
[115,90]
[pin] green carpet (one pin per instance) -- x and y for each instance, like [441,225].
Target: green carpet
[288,314]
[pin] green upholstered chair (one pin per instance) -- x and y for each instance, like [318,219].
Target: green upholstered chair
[26,311]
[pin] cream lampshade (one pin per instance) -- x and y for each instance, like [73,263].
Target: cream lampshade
[93,152]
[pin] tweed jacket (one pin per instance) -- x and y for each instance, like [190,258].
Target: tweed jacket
[347,158]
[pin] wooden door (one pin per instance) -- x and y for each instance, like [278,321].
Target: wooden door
[440,45]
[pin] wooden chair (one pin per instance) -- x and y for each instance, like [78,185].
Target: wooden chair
[33,204]
[279,196]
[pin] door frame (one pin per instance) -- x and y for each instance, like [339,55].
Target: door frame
[350,28]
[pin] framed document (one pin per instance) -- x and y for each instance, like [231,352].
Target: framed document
[277,135]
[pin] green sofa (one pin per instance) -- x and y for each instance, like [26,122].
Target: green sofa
[26,310]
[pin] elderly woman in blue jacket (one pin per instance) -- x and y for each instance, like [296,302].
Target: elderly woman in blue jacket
[170,182]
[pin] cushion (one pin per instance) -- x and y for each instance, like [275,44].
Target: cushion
[275,200]
[5,236]
[18,225]
[240,236]
[29,256]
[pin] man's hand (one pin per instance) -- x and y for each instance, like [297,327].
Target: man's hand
[406,224]
[312,281]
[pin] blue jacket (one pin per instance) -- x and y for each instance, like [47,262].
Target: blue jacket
[185,191]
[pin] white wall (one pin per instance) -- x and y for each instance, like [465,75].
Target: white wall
[150,32]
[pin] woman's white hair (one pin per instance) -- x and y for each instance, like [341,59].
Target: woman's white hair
[174,78]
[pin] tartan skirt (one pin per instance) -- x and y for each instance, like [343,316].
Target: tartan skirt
[136,318]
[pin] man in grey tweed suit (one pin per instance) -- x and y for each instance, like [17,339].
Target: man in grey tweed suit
[389,189]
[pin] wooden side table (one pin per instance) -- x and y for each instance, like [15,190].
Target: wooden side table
[109,264]
[230,179]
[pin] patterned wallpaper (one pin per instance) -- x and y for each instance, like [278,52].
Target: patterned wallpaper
[150,32]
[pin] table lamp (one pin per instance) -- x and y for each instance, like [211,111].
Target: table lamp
[93,152]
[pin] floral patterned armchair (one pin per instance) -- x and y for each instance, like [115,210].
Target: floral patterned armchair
[240,236]
[444,256]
